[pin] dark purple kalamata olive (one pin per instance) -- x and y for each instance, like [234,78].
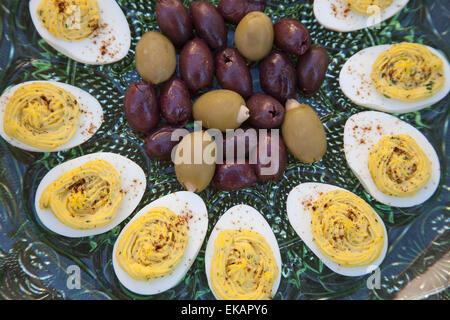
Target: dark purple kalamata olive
[271,157]
[174,21]
[265,111]
[291,36]
[232,72]
[277,76]
[235,176]
[197,65]
[141,107]
[160,142]
[175,102]
[238,144]
[233,10]
[311,69]
[209,24]
[256,5]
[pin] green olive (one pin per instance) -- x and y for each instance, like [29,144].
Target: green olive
[155,57]
[254,36]
[303,132]
[220,109]
[195,161]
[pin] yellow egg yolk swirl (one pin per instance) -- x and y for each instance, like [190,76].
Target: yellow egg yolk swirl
[86,197]
[368,7]
[41,115]
[243,266]
[398,166]
[69,20]
[408,72]
[346,229]
[153,245]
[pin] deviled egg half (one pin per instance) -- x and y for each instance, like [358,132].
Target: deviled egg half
[339,227]
[88,31]
[396,78]
[158,246]
[351,15]
[42,116]
[242,257]
[394,161]
[89,195]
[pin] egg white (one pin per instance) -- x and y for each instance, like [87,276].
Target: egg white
[113,36]
[89,122]
[181,203]
[357,85]
[371,127]
[336,15]
[298,205]
[248,218]
[133,185]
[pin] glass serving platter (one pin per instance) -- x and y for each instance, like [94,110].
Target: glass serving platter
[35,263]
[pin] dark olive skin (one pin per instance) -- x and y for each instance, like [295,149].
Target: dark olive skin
[232,72]
[265,111]
[265,147]
[277,76]
[256,5]
[196,65]
[141,107]
[291,36]
[235,176]
[311,69]
[159,145]
[245,139]
[209,24]
[174,21]
[233,10]
[175,102]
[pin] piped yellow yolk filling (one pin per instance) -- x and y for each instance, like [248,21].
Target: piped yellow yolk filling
[86,197]
[368,7]
[398,166]
[408,72]
[243,266]
[69,20]
[41,115]
[346,229]
[153,245]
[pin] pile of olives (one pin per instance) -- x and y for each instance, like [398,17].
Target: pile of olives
[199,35]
